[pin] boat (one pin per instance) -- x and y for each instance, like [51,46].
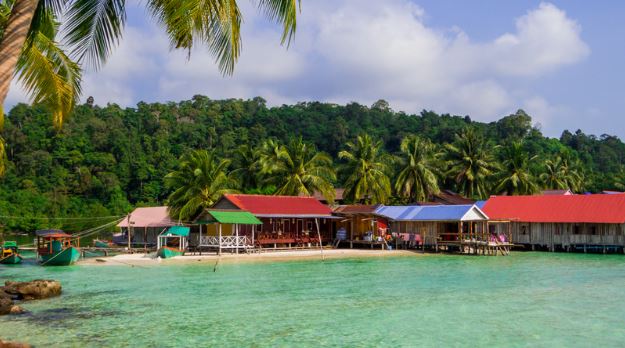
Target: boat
[55,248]
[10,254]
[172,242]
[166,252]
[102,243]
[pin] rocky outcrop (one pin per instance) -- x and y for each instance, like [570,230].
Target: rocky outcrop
[26,291]
[33,290]
[7,344]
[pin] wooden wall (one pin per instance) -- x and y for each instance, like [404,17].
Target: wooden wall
[565,235]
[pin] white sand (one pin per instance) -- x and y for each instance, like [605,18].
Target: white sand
[311,254]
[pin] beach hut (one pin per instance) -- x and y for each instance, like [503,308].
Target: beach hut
[358,225]
[451,227]
[287,221]
[563,222]
[142,226]
[233,221]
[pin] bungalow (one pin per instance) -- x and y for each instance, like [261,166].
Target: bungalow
[358,224]
[563,222]
[285,220]
[144,225]
[452,227]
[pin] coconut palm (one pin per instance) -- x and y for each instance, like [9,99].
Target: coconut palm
[573,172]
[417,178]
[366,166]
[200,180]
[553,175]
[516,177]
[246,162]
[94,27]
[563,172]
[471,164]
[619,182]
[298,169]
[28,40]
[45,70]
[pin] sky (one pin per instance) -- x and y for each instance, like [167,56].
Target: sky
[560,61]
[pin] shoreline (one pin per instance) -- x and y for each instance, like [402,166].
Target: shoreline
[269,256]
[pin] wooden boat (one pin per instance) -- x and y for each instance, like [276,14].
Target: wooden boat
[10,255]
[168,239]
[102,243]
[56,249]
[166,252]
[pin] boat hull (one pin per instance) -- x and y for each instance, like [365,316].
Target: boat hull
[167,252]
[11,260]
[64,257]
[101,244]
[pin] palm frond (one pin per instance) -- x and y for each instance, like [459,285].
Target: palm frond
[93,28]
[284,12]
[50,76]
[215,23]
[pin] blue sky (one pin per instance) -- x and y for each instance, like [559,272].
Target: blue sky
[561,61]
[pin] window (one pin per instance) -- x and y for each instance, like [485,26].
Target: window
[577,229]
[309,225]
[593,230]
[523,229]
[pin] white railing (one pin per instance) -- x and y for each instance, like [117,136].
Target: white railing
[226,242]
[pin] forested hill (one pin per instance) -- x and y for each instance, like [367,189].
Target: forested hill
[106,160]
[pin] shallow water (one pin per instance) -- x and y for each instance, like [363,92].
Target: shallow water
[527,299]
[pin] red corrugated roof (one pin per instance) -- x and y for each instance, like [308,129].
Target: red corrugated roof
[279,205]
[568,209]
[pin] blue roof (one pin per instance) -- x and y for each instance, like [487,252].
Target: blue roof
[424,212]
[480,204]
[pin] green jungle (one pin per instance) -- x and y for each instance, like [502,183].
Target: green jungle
[107,160]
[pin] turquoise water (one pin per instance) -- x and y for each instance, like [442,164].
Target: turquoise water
[527,299]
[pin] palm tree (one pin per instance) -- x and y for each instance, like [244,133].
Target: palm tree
[516,178]
[200,180]
[247,164]
[563,172]
[29,28]
[94,27]
[417,179]
[553,176]
[367,167]
[471,164]
[573,172]
[30,50]
[298,169]
[619,183]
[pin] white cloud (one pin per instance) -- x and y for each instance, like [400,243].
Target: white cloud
[545,39]
[356,50]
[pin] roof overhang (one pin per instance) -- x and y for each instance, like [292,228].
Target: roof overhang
[296,216]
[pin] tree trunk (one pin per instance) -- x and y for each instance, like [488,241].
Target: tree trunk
[12,42]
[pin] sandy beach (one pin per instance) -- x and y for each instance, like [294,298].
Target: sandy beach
[269,256]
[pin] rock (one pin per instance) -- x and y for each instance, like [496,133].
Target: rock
[16,310]
[5,305]
[33,290]
[7,344]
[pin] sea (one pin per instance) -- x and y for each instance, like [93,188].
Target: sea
[536,299]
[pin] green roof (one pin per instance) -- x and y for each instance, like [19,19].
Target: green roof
[9,244]
[229,217]
[182,231]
